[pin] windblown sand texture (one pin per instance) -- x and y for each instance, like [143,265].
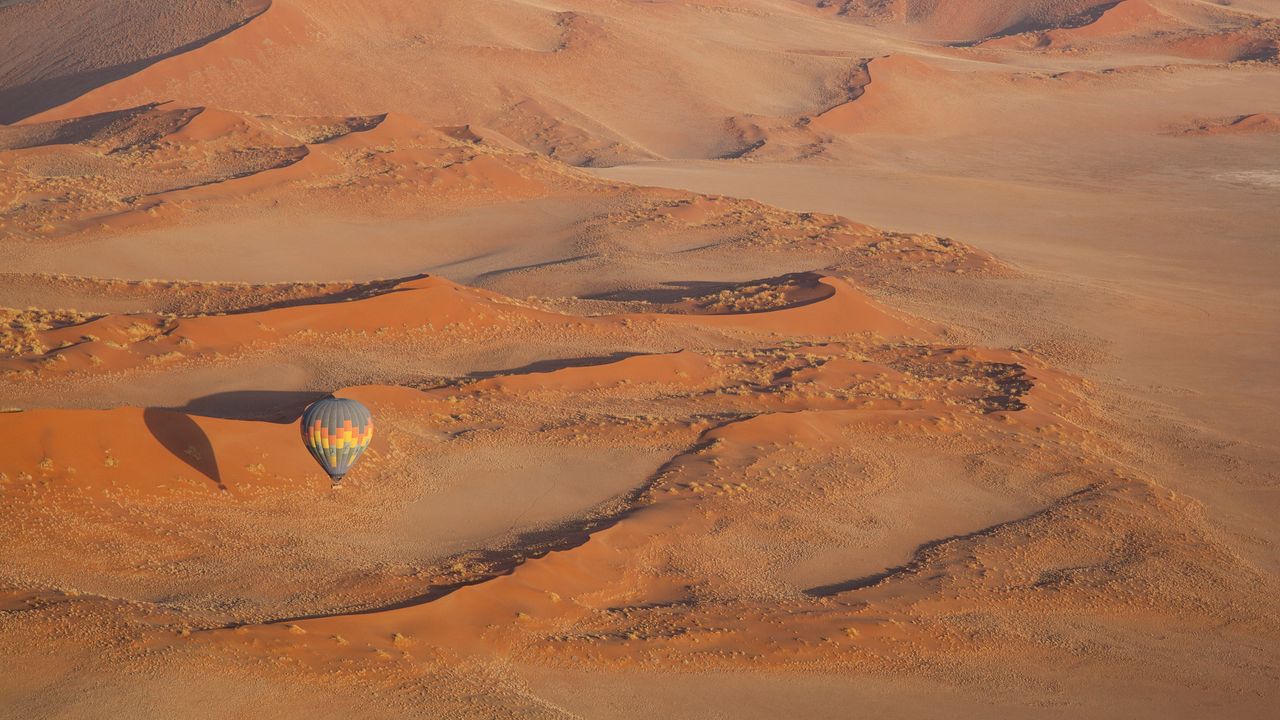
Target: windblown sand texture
[729,359]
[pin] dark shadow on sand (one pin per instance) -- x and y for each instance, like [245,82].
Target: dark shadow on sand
[668,292]
[278,406]
[180,435]
[23,101]
[546,366]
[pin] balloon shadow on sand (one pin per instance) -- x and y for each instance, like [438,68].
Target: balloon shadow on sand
[277,406]
[180,435]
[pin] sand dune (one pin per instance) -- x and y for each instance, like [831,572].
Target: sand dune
[144,166]
[516,76]
[641,451]
[641,579]
[111,343]
[1250,124]
[1188,30]
[99,44]
[955,20]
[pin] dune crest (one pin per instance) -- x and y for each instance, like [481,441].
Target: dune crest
[419,307]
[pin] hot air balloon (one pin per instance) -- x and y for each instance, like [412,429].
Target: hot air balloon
[336,431]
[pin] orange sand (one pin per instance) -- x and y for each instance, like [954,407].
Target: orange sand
[642,451]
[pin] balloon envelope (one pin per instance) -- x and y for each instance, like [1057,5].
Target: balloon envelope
[336,431]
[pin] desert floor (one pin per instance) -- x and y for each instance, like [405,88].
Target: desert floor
[755,359]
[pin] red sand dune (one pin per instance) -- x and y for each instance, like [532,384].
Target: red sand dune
[422,306]
[1260,123]
[957,20]
[641,451]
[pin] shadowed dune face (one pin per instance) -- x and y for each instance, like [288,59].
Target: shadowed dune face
[105,42]
[642,451]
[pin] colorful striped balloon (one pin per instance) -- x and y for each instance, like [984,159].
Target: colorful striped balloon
[336,431]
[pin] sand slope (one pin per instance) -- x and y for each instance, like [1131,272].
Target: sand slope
[641,451]
[681,565]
